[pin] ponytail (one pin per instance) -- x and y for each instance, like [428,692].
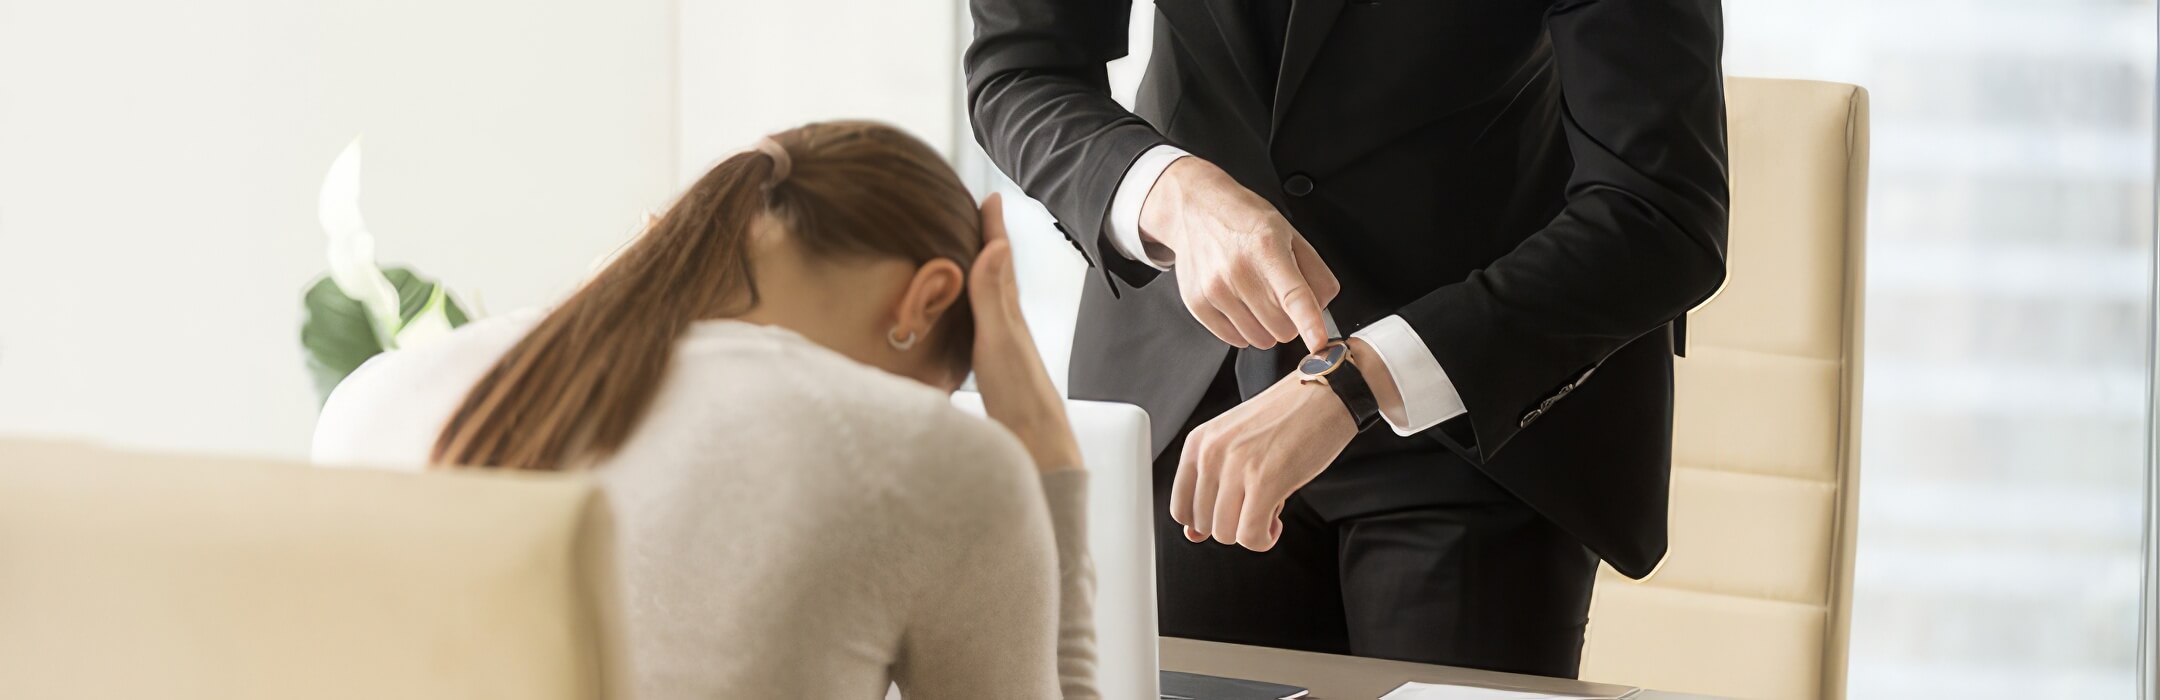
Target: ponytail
[575,387]
[580,380]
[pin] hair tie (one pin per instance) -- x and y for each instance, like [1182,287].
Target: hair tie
[782,164]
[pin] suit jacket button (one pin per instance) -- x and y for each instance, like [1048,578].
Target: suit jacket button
[1530,417]
[1298,185]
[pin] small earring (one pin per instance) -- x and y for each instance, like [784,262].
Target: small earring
[898,344]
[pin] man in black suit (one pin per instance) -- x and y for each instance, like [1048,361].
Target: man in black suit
[1493,199]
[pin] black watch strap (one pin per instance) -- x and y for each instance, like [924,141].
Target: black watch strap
[1349,385]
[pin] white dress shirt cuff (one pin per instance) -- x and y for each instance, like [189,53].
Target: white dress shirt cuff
[1132,192]
[1428,396]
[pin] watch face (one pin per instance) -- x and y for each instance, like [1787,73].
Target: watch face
[1325,361]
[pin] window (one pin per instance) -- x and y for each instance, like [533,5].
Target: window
[2010,234]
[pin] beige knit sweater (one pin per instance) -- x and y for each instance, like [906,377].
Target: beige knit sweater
[797,525]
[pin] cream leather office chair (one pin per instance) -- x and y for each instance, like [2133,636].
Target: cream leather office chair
[137,576]
[1752,600]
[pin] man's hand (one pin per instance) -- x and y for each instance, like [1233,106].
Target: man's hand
[1237,469]
[1242,270]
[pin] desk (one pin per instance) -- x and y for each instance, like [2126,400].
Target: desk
[1332,677]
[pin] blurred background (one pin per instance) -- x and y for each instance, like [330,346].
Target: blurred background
[159,165]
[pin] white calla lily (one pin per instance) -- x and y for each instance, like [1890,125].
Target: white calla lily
[352,248]
[432,323]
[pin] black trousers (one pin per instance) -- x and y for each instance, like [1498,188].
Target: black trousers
[1480,581]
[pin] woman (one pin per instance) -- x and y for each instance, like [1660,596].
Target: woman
[762,383]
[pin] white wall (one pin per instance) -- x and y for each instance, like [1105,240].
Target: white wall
[158,169]
[751,68]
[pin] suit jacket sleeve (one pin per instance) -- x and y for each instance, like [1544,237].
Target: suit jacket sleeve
[1039,98]
[1640,239]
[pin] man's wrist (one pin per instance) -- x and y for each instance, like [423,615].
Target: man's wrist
[1383,385]
[1159,211]
[1329,409]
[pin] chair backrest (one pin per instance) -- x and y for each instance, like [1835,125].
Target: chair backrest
[1753,599]
[137,576]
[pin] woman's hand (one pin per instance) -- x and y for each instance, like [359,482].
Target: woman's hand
[1016,390]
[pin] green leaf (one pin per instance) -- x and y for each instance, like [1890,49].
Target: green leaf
[334,331]
[335,335]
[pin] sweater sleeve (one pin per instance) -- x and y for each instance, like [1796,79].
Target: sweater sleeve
[1066,492]
[984,621]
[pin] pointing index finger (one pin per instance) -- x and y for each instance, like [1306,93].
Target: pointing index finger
[1297,300]
[1312,325]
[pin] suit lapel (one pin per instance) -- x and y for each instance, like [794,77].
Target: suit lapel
[1310,21]
[1218,28]
[1233,25]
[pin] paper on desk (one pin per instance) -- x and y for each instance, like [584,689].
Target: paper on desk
[1426,691]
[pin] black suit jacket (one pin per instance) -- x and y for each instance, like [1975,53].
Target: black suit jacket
[1537,187]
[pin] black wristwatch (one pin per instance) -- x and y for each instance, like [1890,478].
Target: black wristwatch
[1331,367]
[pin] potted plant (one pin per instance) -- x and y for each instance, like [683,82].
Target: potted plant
[358,309]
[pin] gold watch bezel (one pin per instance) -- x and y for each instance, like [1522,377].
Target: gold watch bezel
[1343,358]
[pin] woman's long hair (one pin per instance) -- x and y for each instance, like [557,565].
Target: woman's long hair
[578,383]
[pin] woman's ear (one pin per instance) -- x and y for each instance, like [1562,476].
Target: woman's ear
[933,291]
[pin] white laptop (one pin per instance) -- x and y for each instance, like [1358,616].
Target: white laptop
[1121,537]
